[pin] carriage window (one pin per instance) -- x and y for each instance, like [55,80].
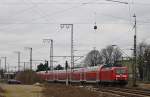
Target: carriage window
[120,71]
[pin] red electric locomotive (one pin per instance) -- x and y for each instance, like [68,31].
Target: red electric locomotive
[95,74]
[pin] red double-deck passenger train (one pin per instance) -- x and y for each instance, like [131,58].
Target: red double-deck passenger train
[95,74]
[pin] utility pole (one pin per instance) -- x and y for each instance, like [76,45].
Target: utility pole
[18,60]
[31,58]
[94,56]
[135,54]
[30,48]
[72,48]
[50,52]
[51,55]
[5,59]
[5,63]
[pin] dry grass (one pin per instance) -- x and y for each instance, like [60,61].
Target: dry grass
[59,90]
[22,91]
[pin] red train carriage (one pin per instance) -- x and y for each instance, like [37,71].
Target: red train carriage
[95,74]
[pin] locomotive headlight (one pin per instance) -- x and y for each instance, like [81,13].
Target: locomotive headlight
[117,75]
[124,75]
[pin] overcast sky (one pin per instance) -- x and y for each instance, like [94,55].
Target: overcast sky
[24,23]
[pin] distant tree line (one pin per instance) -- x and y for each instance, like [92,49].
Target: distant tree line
[109,55]
[45,67]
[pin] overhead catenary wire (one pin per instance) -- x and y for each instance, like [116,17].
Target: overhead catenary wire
[70,2]
[50,15]
[59,12]
[35,8]
[63,10]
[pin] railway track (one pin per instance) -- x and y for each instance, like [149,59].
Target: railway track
[125,92]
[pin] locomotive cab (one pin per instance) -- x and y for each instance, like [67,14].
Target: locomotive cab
[120,75]
[114,74]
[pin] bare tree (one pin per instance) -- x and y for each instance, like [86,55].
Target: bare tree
[105,56]
[93,58]
[140,53]
[143,56]
[108,55]
[116,55]
[147,63]
[111,55]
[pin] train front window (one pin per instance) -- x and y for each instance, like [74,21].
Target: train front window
[120,71]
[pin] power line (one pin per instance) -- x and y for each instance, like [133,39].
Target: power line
[60,22]
[63,3]
[58,12]
[41,13]
[73,3]
[55,13]
[118,1]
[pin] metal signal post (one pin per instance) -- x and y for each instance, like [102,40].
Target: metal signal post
[135,53]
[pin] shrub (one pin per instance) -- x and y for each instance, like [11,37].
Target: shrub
[28,77]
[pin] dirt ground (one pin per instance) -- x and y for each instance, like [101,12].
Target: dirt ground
[52,90]
[21,90]
[49,90]
[1,92]
[60,90]
[145,86]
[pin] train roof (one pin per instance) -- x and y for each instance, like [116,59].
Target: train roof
[91,68]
